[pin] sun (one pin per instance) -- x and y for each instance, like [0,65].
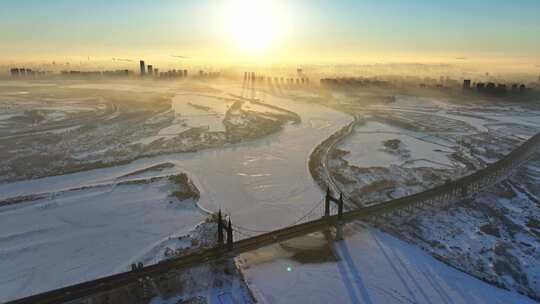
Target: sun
[254,25]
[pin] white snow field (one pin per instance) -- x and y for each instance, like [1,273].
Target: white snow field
[479,116]
[372,267]
[366,149]
[201,111]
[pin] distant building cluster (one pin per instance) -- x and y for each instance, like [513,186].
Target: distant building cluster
[144,71]
[24,72]
[495,89]
[251,76]
[208,75]
[96,74]
[117,73]
[173,74]
[151,71]
[353,82]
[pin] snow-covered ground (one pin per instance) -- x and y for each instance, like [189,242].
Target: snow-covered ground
[366,147]
[262,184]
[209,283]
[79,235]
[371,267]
[416,143]
[196,110]
[495,235]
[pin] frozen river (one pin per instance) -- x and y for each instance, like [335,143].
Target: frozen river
[266,176]
[263,184]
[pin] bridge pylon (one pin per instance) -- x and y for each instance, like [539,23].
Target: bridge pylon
[339,201]
[227,226]
[229,235]
[220,229]
[327,199]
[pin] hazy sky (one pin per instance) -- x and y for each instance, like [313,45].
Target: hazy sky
[310,29]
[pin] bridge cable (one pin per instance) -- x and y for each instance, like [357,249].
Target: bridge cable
[245,231]
[306,215]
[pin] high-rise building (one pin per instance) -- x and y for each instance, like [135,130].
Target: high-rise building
[150,70]
[143,70]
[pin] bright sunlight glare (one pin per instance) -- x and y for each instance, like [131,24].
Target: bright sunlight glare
[254,25]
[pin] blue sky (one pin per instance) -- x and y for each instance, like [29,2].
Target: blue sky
[331,28]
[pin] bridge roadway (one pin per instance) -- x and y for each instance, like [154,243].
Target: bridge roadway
[455,190]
